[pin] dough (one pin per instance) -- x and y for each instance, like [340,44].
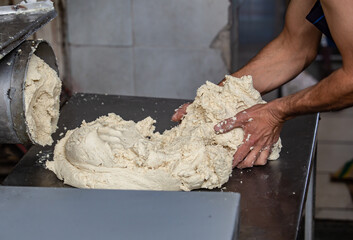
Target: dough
[113,153]
[42,101]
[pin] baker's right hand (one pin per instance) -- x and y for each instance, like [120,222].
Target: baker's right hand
[262,124]
[180,112]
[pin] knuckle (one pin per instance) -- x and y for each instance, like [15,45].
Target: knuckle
[251,141]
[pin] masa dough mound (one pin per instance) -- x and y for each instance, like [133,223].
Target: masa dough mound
[42,100]
[113,153]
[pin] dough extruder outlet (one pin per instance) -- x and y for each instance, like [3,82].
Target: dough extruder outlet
[17,23]
[13,69]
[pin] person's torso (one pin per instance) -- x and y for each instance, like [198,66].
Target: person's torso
[317,17]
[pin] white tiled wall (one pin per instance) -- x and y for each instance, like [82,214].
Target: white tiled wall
[156,48]
[101,69]
[189,24]
[104,22]
[175,73]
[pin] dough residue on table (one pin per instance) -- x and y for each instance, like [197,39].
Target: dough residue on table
[42,101]
[111,152]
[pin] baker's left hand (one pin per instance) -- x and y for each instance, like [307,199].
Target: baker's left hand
[180,112]
[262,125]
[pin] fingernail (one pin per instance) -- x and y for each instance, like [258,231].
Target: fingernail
[218,127]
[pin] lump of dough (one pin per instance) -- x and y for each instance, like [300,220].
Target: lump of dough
[113,153]
[42,101]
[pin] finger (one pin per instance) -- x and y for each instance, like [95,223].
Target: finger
[241,153]
[227,125]
[234,122]
[221,83]
[250,158]
[177,116]
[262,159]
[180,112]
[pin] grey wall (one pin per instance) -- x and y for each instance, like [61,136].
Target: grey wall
[158,48]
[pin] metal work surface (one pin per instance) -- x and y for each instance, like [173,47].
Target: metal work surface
[50,213]
[18,22]
[272,196]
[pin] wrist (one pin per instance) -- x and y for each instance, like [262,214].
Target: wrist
[280,109]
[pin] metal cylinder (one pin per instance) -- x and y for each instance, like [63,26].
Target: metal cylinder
[13,71]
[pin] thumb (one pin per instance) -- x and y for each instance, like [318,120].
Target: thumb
[227,125]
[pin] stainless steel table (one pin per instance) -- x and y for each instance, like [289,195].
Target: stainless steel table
[65,213]
[272,196]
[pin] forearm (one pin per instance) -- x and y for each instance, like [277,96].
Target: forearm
[332,93]
[288,54]
[278,62]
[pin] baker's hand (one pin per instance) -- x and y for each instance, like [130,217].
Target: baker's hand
[180,112]
[262,126]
